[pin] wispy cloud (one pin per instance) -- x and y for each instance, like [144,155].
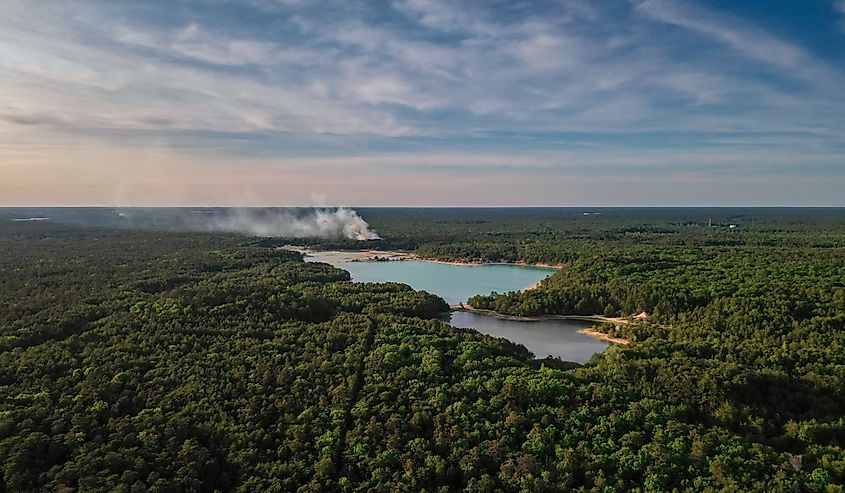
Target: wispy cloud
[839,7]
[742,37]
[257,80]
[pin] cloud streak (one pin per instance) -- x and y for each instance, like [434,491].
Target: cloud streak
[242,83]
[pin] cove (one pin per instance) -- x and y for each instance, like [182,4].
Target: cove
[456,283]
[555,338]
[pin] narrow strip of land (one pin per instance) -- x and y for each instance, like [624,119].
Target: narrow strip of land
[400,255]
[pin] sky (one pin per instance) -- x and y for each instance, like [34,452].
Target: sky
[422,102]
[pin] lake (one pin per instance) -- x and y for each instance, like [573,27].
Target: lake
[542,337]
[457,283]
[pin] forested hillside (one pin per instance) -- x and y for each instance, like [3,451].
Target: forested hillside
[143,361]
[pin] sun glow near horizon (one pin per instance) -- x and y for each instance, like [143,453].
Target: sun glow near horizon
[422,103]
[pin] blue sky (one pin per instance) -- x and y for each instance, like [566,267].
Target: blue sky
[422,102]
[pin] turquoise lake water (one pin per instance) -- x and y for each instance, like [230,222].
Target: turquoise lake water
[457,283]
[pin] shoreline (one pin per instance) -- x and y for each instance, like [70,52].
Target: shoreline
[478,264]
[590,331]
[370,255]
[604,337]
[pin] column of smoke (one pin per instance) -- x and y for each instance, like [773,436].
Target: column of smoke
[317,223]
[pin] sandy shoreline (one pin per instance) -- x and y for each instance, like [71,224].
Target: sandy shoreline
[601,335]
[476,264]
[533,286]
[398,256]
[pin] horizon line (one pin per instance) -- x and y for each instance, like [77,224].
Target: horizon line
[758,206]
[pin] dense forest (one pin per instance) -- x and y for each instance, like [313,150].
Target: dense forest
[140,360]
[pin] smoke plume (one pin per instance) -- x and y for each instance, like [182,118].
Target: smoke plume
[328,223]
[324,223]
